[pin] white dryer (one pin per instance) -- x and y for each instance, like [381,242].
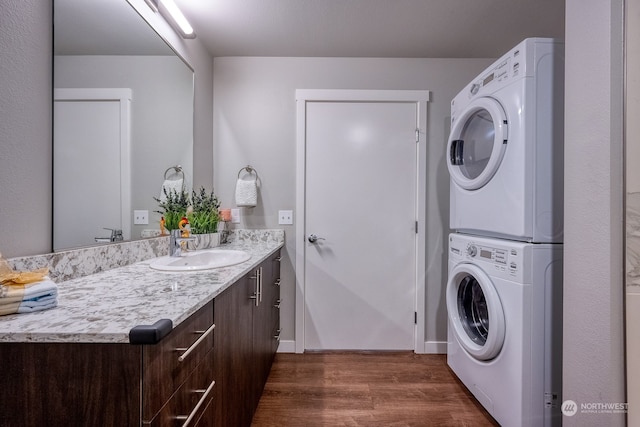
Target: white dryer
[505,149]
[504,301]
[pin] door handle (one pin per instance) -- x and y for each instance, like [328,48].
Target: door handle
[313,238]
[455,155]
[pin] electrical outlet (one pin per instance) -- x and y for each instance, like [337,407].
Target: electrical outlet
[285,217]
[140,217]
[235,216]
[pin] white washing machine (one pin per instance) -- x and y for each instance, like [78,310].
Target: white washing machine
[505,150]
[504,300]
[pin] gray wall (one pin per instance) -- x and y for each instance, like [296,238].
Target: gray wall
[255,123]
[593,359]
[25,127]
[632,146]
[26,114]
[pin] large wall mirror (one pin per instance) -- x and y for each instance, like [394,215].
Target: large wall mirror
[123,118]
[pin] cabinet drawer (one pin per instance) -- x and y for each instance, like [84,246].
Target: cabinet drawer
[163,371]
[191,403]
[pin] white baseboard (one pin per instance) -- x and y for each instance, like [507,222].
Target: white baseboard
[287,346]
[430,347]
[435,347]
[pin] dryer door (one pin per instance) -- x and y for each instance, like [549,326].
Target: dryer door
[475,311]
[477,143]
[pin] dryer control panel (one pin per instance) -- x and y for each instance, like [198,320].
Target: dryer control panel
[518,63]
[500,72]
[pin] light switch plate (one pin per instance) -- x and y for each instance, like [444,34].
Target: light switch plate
[235,216]
[140,217]
[285,217]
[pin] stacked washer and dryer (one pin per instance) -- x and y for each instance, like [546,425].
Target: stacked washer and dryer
[504,289]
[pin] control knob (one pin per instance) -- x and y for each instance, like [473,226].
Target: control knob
[472,250]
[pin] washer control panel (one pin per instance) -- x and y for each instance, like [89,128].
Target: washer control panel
[493,255]
[503,258]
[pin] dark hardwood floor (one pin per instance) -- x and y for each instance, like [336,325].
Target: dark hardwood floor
[366,389]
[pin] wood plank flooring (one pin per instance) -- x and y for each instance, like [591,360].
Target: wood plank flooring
[372,389]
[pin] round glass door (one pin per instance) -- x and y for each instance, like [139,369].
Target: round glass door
[477,143]
[475,311]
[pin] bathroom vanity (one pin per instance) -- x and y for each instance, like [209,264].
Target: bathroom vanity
[134,346]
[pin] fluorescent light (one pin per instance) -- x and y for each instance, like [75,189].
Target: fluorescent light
[178,18]
[153,4]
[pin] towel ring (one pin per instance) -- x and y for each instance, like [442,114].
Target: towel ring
[249,170]
[176,170]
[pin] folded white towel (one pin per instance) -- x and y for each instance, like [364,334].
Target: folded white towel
[31,297]
[170,185]
[10,294]
[37,304]
[246,193]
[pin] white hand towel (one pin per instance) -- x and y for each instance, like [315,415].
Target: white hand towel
[37,304]
[170,185]
[246,193]
[31,297]
[45,287]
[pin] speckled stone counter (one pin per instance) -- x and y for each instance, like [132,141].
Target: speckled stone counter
[103,307]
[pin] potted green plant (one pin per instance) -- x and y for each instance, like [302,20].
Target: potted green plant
[173,208]
[203,216]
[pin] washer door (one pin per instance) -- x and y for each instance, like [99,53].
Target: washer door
[477,143]
[475,311]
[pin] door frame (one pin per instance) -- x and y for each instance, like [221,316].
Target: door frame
[420,98]
[124,97]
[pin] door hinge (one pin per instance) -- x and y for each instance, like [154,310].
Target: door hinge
[415,317]
[417,135]
[416,227]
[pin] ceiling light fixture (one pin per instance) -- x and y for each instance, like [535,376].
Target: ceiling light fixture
[170,10]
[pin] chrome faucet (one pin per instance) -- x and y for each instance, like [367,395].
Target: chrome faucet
[116,236]
[175,242]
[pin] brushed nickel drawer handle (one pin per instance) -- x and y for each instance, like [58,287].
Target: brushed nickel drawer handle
[260,283]
[258,294]
[278,258]
[277,282]
[277,337]
[277,304]
[188,351]
[193,413]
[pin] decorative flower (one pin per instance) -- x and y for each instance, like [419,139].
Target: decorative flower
[203,214]
[173,208]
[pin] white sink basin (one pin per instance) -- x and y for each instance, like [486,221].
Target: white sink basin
[200,260]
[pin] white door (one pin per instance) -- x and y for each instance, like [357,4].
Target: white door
[361,202]
[91,166]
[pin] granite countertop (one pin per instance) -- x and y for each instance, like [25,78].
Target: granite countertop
[103,307]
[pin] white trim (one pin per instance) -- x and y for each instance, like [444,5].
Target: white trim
[430,347]
[420,97]
[287,346]
[124,97]
[435,347]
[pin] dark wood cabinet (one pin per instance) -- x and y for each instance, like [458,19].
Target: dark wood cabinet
[210,370]
[82,384]
[247,317]
[177,373]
